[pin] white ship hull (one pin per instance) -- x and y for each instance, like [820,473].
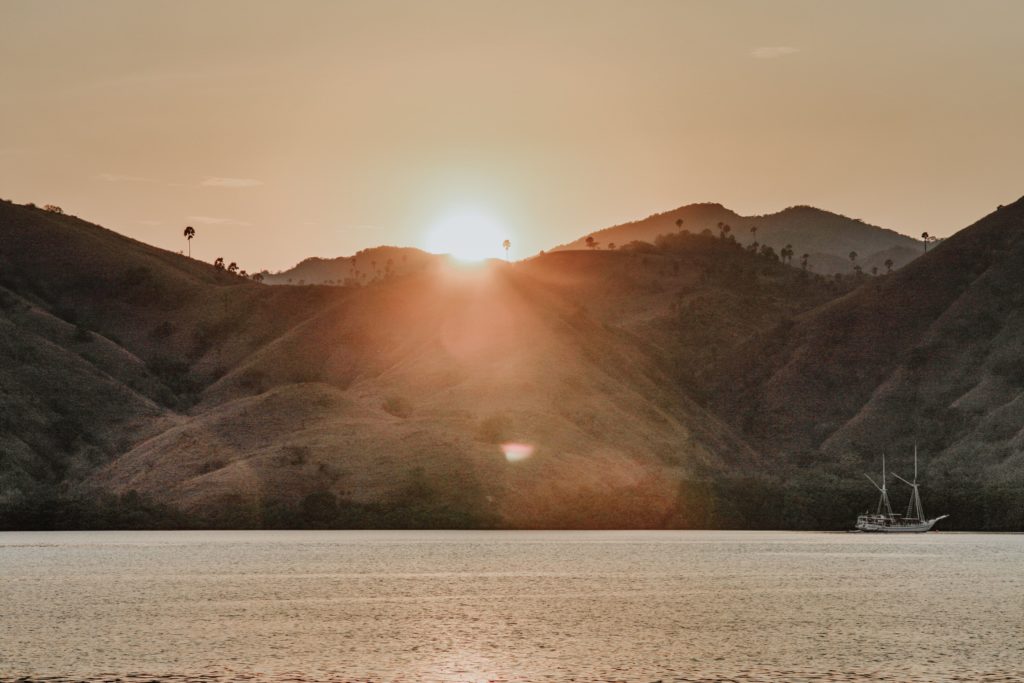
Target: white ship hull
[897,528]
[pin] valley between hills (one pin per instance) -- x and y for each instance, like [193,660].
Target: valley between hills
[692,377]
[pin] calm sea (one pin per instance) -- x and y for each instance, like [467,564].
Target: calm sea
[511,606]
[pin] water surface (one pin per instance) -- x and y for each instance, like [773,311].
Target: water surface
[511,606]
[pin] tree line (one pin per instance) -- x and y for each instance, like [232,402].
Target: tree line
[218,263]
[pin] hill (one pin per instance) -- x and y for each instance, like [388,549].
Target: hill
[688,382]
[931,354]
[827,238]
[107,341]
[412,401]
[363,267]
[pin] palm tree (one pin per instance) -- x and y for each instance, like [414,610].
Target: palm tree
[803,261]
[591,242]
[724,230]
[190,232]
[925,238]
[679,224]
[853,259]
[787,253]
[233,268]
[888,265]
[753,233]
[219,263]
[507,244]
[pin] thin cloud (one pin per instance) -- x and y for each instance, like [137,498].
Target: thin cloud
[212,181]
[120,178]
[214,220]
[773,52]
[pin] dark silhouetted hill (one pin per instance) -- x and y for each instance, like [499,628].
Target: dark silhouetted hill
[689,381]
[931,354]
[826,237]
[398,403]
[364,267]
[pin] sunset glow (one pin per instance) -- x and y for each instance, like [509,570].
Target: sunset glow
[467,234]
[547,340]
[366,118]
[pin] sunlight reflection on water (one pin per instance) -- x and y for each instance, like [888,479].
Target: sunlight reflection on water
[515,606]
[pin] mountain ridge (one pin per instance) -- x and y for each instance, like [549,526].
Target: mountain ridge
[931,357]
[687,383]
[363,267]
[827,237]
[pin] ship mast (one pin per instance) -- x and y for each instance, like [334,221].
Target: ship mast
[914,508]
[883,503]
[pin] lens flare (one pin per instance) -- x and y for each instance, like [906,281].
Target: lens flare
[515,452]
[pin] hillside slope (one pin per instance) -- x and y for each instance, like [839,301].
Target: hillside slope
[692,299]
[364,267]
[687,383]
[107,341]
[425,382]
[410,401]
[827,238]
[931,354]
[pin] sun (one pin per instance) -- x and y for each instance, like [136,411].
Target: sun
[468,235]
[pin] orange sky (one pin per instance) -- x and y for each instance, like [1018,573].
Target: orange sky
[318,128]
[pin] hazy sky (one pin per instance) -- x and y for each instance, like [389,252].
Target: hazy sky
[292,129]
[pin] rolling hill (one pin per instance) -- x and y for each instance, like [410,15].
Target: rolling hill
[933,355]
[827,238]
[361,268]
[685,383]
[398,403]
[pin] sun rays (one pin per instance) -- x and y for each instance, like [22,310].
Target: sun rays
[467,234]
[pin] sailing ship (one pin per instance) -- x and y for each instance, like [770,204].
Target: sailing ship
[886,521]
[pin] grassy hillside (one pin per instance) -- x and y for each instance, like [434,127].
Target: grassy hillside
[931,354]
[108,341]
[691,299]
[827,238]
[690,381]
[420,383]
[396,403]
